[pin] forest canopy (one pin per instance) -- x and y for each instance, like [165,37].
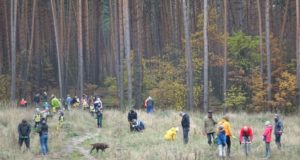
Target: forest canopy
[186,54]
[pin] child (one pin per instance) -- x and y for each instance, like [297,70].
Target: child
[99,114]
[138,125]
[267,138]
[171,134]
[37,117]
[92,110]
[221,142]
[61,119]
[23,103]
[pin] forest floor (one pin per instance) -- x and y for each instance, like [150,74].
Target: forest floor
[79,130]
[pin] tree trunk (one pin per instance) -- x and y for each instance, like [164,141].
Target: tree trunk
[62,44]
[298,51]
[31,42]
[269,80]
[189,70]
[225,56]
[87,46]
[115,41]
[205,101]
[121,38]
[138,58]
[284,20]
[80,48]
[127,49]
[57,41]
[260,39]
[14,5]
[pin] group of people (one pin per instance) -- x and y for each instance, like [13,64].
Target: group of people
[219,133]
[24,130]
[224,134]
[44,108]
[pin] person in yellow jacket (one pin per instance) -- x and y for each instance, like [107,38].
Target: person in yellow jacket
[225,122]
[171,134]
[92,110]
[37,117]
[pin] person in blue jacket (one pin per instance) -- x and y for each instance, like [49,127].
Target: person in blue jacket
[221,142]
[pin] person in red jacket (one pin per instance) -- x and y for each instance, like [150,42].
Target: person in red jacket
[246,134]
[246,137]
[23,103]
[267,137]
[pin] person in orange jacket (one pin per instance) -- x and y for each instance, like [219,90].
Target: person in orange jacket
[225,123]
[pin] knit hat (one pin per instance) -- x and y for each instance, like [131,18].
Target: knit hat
[221,127]
[181,114]
[267,123]
[226,118]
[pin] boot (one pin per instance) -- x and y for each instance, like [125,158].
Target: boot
[228,152]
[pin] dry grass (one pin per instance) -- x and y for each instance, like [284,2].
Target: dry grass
[148,145]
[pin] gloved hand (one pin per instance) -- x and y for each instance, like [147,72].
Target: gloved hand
[223,144]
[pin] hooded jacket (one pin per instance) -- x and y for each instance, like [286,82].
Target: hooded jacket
[227,127]
[221,138]
[24,129]
[267,134]
[185,122]
[170,134]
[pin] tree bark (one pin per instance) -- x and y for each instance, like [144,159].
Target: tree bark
[298,52]
[57,41]
[80,48]
[127,49]
[205,101]
[31,41]
[138,58]
[121,39]
[14,5]
[269,72]
[189,70]
[87,46]
[225,56]
[260,39]
[284,20]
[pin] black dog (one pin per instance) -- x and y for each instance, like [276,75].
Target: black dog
[98,146]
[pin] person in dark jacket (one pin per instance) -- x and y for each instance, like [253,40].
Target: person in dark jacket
[138,125]
[131,116]
[43,131]
[24,130]
[185,123]
[99,113]
[278,130]
[37,100]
